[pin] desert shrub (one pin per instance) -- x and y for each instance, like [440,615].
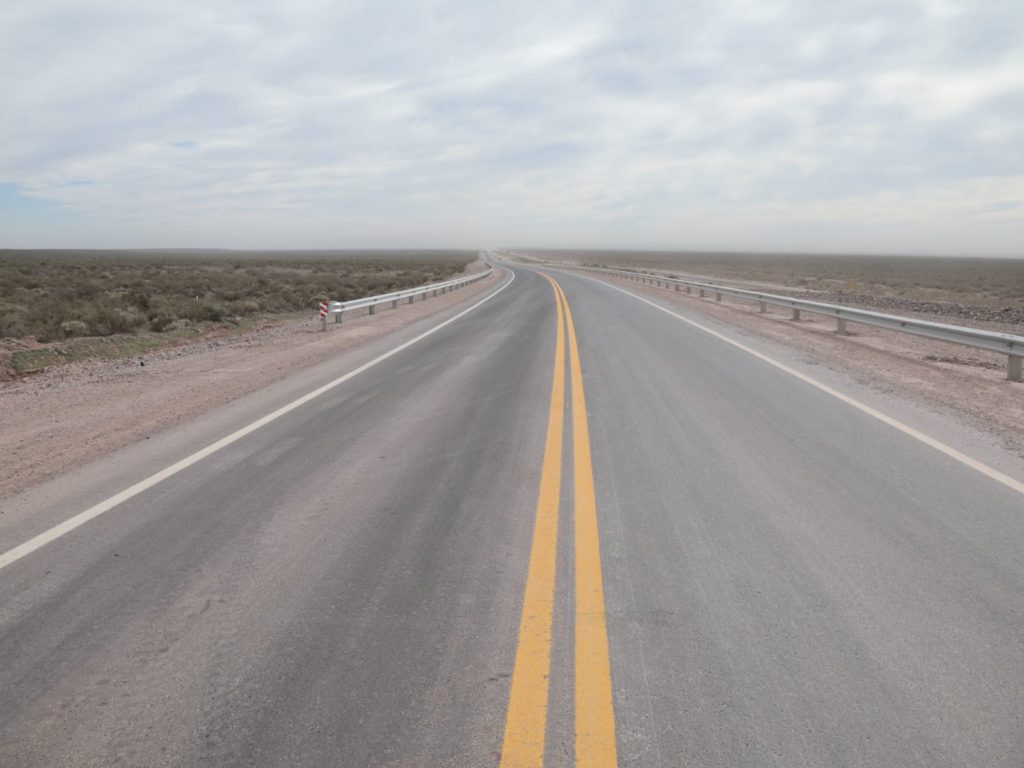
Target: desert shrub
[139,299]
[122,293]
[161,321]
[13,320]
[71,328]
[106,321]
[212,311]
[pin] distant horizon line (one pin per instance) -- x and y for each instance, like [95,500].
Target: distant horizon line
[528,249]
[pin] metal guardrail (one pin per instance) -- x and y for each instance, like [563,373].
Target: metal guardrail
[991,341]
[339,308]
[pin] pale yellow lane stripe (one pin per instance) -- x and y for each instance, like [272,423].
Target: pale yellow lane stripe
[595,716]
[523,745]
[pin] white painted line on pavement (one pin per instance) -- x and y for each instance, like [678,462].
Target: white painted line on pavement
[44,538]
[938,445]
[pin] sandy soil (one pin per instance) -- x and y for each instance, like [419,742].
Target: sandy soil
[109,404]
[968,384]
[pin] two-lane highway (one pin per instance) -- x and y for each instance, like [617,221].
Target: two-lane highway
[566,525]
[592,707]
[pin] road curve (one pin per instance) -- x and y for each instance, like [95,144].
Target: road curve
[566,525]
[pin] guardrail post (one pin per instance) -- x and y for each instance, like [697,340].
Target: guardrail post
[373,309]
[1014,366]
[394,304]
[1003,343]
[435,291]
[411,298]
[337,318]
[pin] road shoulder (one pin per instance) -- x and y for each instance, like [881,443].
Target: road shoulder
[975,410]
[73,414]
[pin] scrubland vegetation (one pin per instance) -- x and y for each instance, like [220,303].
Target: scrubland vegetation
[55,295]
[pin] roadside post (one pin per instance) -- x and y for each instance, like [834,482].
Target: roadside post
[323,315]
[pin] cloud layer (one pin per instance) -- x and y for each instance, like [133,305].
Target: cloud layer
[857,126]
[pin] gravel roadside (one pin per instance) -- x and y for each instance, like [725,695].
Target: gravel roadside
[966,384]
[71,414]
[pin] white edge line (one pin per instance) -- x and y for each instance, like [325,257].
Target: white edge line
[44,538]
[938,445]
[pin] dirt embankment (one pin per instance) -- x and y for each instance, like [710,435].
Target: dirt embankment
[107,404]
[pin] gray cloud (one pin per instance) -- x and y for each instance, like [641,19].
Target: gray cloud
[888,126]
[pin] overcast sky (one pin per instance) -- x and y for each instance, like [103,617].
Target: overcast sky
[811,126]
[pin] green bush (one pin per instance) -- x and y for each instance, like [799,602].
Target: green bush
[71,328]
[212,311]
[105,321]
[13,320]
[162,321]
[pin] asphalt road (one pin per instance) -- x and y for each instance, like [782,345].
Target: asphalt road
[786,580]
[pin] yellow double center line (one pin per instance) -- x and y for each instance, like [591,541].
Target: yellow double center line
[528,700]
